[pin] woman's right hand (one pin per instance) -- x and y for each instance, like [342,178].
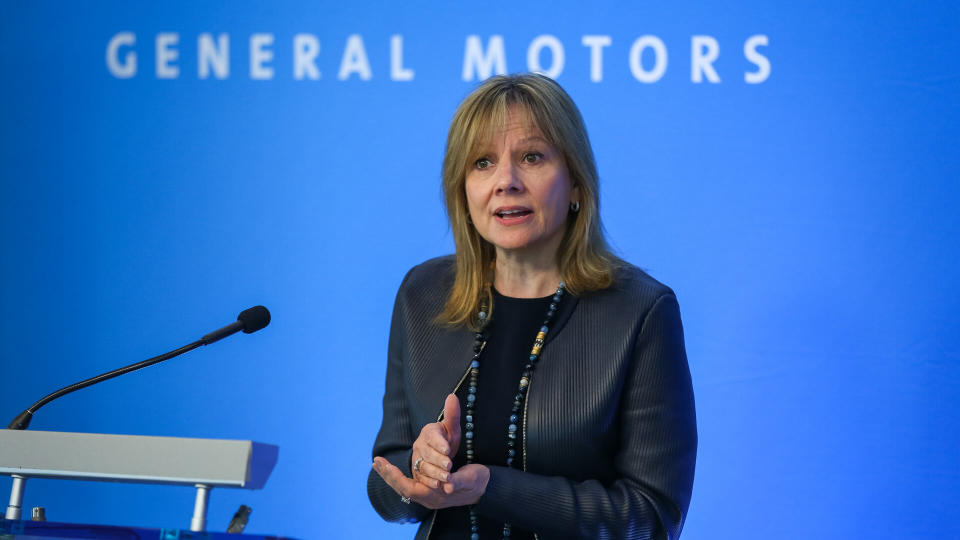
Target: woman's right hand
[436,446]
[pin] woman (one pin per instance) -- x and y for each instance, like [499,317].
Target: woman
[558,370]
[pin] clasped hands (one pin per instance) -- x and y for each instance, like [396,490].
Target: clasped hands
[435,485]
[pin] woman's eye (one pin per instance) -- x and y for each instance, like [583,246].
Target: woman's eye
[532,157]
[482,163]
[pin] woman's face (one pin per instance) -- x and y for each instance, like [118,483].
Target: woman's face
[519,190]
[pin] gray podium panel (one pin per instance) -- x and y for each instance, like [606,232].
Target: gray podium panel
[135,458]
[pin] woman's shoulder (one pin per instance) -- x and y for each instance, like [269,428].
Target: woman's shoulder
[632,287]
[434,273]
[426,285]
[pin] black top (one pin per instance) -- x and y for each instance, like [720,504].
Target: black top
[510,336]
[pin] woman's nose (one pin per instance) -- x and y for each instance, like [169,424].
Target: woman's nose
[508,180]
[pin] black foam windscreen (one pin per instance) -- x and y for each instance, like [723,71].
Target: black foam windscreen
[254,319]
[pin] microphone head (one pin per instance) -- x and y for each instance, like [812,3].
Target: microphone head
[254,319]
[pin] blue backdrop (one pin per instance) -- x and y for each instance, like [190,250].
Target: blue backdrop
[156,178]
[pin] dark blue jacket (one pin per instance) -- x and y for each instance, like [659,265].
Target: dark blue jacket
[610,439]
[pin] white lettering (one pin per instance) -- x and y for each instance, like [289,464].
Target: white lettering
[355,60]
[481,59]
[210,56]
[701,62]
[556,51]
[306,47]
[397,71]
[763,64]
[475,61]
[127,68]
[596,44]
[659,54]
[166,54]
[260,54]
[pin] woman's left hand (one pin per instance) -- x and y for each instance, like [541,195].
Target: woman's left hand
[463,487]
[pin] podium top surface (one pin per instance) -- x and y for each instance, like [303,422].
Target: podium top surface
[136,458]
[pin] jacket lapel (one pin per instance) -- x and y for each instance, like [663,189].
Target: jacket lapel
[567,304]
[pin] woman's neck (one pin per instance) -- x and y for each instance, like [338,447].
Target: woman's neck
[525,277]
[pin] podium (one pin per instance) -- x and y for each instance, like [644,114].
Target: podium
[202,463]
[44,530]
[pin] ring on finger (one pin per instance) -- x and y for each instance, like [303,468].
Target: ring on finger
[416,464]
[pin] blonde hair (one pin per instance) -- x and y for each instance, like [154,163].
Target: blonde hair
[584,258]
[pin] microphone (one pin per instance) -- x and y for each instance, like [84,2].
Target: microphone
[249,320]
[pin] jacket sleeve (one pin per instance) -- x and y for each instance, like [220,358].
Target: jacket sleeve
[654,462]
[395,438]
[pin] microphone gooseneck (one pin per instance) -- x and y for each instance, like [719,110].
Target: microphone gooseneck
[249,320]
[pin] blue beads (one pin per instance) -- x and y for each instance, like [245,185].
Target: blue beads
[513,427]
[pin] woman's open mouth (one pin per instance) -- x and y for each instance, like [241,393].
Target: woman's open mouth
[513,215]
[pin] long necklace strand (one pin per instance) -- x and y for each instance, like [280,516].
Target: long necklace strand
[515,414]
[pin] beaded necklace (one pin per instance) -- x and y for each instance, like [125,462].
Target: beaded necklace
[515,414]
